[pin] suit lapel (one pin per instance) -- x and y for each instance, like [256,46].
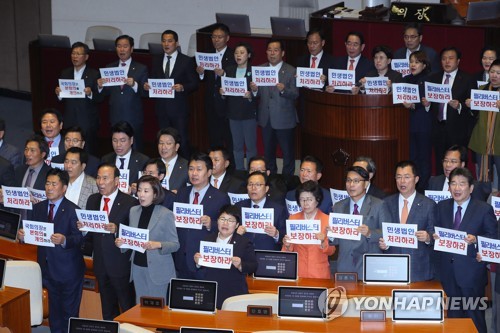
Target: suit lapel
[395,209]
[367,205]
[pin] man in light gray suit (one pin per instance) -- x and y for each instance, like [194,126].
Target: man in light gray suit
[351,252]
[410,207]
[276,112]
[80,185]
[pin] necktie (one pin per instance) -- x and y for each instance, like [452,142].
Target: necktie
[166,170]
[50,143]
[351,65]
[355,211]
[167,68]
[313,65]
[215,182]
[404,212]
[29,179]
[442,105]
[255,206]
[122,163]
[196,196]
[106,207]
[123,65]
[50,217]
[458,218]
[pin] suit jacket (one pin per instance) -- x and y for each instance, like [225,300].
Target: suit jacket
[481,191]
[362,68]
[237,107]
[126,104]
[232,282]
[265,242]
[39,183]
[89,187]
[230,184]
[108,259]
[478,220]
[325,206]
[327,61]
[161,229]
[11,153]
[429,51]
[189,239]
[423,214]
[179,176]
[58,263]
[279,108]
[6,172]
[376,192]
[350,252]
[135,164]
[184,73]
[83,112]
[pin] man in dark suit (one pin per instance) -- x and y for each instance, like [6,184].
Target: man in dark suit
[219,133]
[311,168]
[317,57]
[462,275]
[8,151]
[51,124]
[202,193]
[83,112]
[258,186]
[354,45]
[410,207]
[276,114]
[156,168]
[35,152]
[221,178]
[277,185]
[6,172]
[453,122]
[111,266]
[369,165]
[169,142]
[456,157]
[174,65]
[412,36]
[124,157]
[62,265]
[125,102]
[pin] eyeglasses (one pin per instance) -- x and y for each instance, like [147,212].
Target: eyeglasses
[306,200]
[410,37]
[354,44]
[447,161]
[218,36]
[256,185]
[354,181]
[457,184]
[224,220]
[405,177]
[75,141]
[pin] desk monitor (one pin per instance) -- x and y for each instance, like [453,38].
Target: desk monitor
[417,305]
[386,268]
[288,27]
[276,265]
[302,302]
[483,10]
[104,44]
[79,325]
[192,295]
[185,329]
[237,23]
[9,223]
[47,40]
[3,266]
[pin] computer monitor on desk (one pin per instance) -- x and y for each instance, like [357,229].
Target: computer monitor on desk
[288,27]
[9,224]
[483,11]
[192,295]
[237,23]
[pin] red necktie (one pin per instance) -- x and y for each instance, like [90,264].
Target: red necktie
[50,217]
[351,65]
[50,143]
[196,196]
[106,207]
[313,65]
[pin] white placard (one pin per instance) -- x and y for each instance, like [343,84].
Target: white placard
[438,93]
[489,249]
[401,65]
[235,197]
[38,195]
[345,226]
[495,203]
[309,77]
[123,182]
[484,100]
[376,86]
[451,241]
[93,220]
[216,255]
[53,151]
[400,235]
[16,197]
[134,238]
[256,219]
[303,231]
[338,195]
[59,166]
[113,76]
[209,61]
[405,93]
[72,88]
[292,207]
[234,86]
[438,195]
[188,215]
[264,76]
[341,79]
[481,83]
[38,233]
[161,88]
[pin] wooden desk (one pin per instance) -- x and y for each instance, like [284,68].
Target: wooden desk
[240,323]
[15,310]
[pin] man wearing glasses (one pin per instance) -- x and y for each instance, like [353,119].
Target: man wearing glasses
[374,213]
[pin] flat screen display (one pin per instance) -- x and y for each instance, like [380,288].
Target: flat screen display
[9,223]
[276,265]
[417,305]
[302,302]
[79,325]
[192,295]
[386,268]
